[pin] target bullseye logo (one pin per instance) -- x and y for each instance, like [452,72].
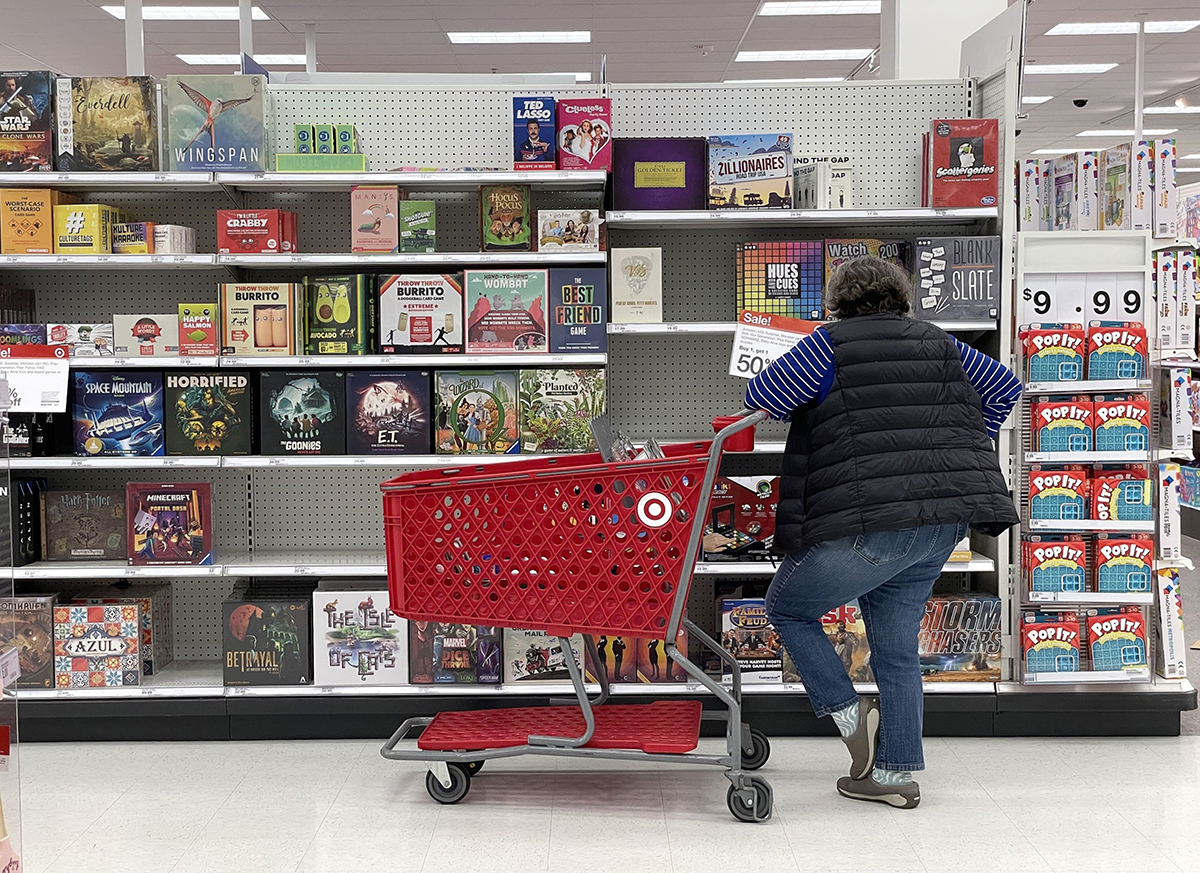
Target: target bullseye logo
[654,509]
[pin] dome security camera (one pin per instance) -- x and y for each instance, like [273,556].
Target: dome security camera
[1080,102]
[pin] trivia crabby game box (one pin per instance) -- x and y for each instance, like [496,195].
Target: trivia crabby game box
[1117,638]
[1063,425]
[1054,563]
[1059,493]
[1122,424]
[1116,351]
[1050,642]
[1123,564]
[1053,353]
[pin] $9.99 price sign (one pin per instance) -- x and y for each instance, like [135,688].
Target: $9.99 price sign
[761,337]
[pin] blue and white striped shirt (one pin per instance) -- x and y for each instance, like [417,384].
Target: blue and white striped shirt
[806,373]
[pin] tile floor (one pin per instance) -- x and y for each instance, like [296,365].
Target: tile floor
[327,807]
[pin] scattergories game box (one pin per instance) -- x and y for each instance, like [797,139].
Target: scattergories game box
[964,162]
[169,523]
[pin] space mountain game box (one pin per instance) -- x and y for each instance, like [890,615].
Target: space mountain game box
[118,413]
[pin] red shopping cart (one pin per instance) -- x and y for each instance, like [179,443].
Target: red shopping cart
[568,544]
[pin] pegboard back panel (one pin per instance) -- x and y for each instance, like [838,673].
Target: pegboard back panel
[878,123]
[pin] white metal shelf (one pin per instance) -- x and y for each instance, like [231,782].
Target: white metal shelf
[978,564]
[719,327]
[256,461]
[165,362]
[448,180]
[788,217]
[1089,677]
[114,570]
[112,181]
[301,562]
[397,259]
[178,679]
[1090,598]
[1086,525]
[411,361]
[1092,386]
[1087,457]
[113,463]
[111,262]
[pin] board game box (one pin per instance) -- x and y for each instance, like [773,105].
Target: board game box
[1116,350]
[959,639]
[957,278]
[578,310]
[260,319]
[532,656]
[750,170]
[780,278]
[418,226]
[506,311]
[216,124]
[476,412]
[357,639]
[1063,189]
[27,220]
[97,646]
[267,640]
[747,634]
[660,173]
[1055,563]
[374,218]
[26,121]
[841,251]
[965,157]
[637,285]
[557,407]
[340,314]
[198,330]
[568,230]
[655,665]
[209,412]
[847,632]
[1114,195]
[1053,353]
[388,412]
[169,523]
[741,522]
[1050,642]
[83,525]
[133,238]
[533,133]
[504,222]
[84,228]
[1063,424]
[118,413]
[1123,563]
[22,334]
[107,123]
[302,413]
[1122,496]
[27,625]
[1122,424]
[1059,493]
[154,610]
[421,313]
[617,656]
[1117,638]
[585,133]
[146,336]
[442,654]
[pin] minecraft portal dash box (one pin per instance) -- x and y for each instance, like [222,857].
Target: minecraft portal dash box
[1122,564]
[1059,493]
[1053,353]
[1122,424]
[1050,642]
[1116,350]
[1117,638]
[1063,425]
[1054,563]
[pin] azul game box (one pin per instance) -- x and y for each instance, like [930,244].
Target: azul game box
[421,313]
[154,609]
[1059,494]
[846,630]
[750,170]
[97,646]
[388,412]
[660,173]
[1123,563]
[26,121]
[340,314]
[83,525]
[442,654]
[209,412]
[1116,350]
[268,639]
[841,251]
[27,625]
[1063,424]
[476,412]
[216,123]
[169,523]
[146,336]
[568,230]
[532,656]
[357,639]
[1117,638]
[533,133]
[741,522]
[1053,353]
[302,413]
[585,133]
[118,413]
[1054,563]
[965,155]
[578,310]
[1050,642]
[557,408]
[374,219]
[107,123]
[747,634]
[959,640]
[504,218]
[637,285]
[506,311]
[418,226]
[780,278]
[260,319]
[957,278]
[84,340]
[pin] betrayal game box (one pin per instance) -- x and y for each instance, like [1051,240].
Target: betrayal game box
[118,413]
[302,413]
[578,308]
[83,525]
[421,313]
[388,412]
[339,314]
[357,639]
[97,646]
[442,654]
[27,625]
[750,170]
[169,523]
[957,278]
[268,640]
[781,278]
[476,412]
[959,639]
[209,412]
[506,311]
[216,123]
[504,218]
[26,122]
[557,408]
[106,124]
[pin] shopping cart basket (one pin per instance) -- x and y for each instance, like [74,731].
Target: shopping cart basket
[567,544]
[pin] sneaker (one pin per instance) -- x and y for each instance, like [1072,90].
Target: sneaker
[865,740]
[899,796]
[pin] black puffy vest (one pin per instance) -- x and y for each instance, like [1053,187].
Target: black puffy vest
[899,441]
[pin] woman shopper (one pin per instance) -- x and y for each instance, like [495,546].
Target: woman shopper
[888,461]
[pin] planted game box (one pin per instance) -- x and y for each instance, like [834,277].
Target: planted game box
[504,218]
[1055,563]
[957,278]
[1116,350]
[780,278]
[964,154]
[1050,642]
[146,336]
[578,309]
[260,319]
[1117,638]
[532,656]
[169,523]
[340,314]
[302,413]
[106,123]
[267,639]
[557,407]
[1059,494]
[27,625]
[118,413]
[1063,425]
[747,634]
[388,412]
[154,610]
[585,133]
[418,226]
[83,525]
[357,639]
[26,121]
[216,124]
[506,311]
[1123,563]
[742,513]
[442,654]
[421,313]
[660,173]
[476,412]
[841,251]
[97,646]
[1053,353]
[84,228]
[209,412]
[533,133]
[750,170]
[568,230]
[374,218]
[198,334]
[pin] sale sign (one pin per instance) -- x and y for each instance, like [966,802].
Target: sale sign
[37,377]
[761,337]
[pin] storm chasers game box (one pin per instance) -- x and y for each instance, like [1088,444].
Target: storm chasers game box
[506,311]
[26,121]
[750,170]
[388,412]
[557,407]
[357,639]
[216,123]
[118,413]
[209,412]
[959,639]
[421,313]
[781,278]
[302,413]
[169,523]
[268,639]
[106,123]
[957,278]
[27,625]
[83,525]
[533,133]
[964,157]
[578,309]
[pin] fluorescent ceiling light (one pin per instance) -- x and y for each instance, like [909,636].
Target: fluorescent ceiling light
[1172,110]
[234,60]
[806,55]
[822,7]
[1100,28]
[1058,151]
[1066,69]
[480,37]
[1035,100]
[188,13]
[579,77]
[784,81]
[1187,169]
[1149,131]
[1195,157]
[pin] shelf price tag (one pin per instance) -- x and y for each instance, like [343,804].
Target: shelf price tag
[761,337]
[37,377]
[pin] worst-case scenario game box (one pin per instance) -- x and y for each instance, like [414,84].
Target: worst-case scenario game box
[357,639]
[107,123]
[557,407]
[268,639]
[209,412]
[506,311]
[83,525]
[118,413]
[97,646]
[388,412]
[302,413]
[476,412]
[26,122]
[27,625]
[421,313]
[216,123]
[169,523]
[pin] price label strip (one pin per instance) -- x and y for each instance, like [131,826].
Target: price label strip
[760,338]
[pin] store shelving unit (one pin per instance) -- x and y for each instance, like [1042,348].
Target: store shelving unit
[719,327]
[726,218]
[375,262]
[110,262]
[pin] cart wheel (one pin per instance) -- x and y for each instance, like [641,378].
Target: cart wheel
[474,767]
[762,751]
[460,784]
[761,811]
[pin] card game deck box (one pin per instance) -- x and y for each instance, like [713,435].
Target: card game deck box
[1122,423]
[209,412]
[578,310]
[1122,496]
[504,218]
[1054,563]
[216,124]
[340,314]
[506,311]
[1116,350]
[84,228]
[442,654]
[750,170]
[568,230]
[557,407]
[660,173]
[118,413]
[357,639]
[489,645]
[83,525]
[1117,638]
[250,231]
[1059,493]
[421,313]
[146,336]
[374,218]
[418,226]
[302,413]
[747,634]
[169,523]
[533,656]
[174,239]
[964,155]
[260,319]
[133,238]
[780,278]
[199,335]
[1141,185]
[388,412]
[27,625]
[585,133]
[742,516]
[97,646]
[533,133]
[27,219]
[107,123]
[154,609]
[637,285]
[1063,424]
[268,639]
[476,412]
[959,640]
[24,511]
[26,121]
[957,278]
[1053,353]
[22,334]
[1123,563]
[1050,642]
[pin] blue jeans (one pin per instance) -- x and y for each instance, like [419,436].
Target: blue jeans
[891,573]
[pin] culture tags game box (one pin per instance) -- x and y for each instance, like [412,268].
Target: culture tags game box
[27,625]
[585,133]
[1055,563]
[1123,563]
[83,525]
[578,308]
[504,218]
[964,153]
[209,412]
[532,656]
[84,340]
[1122,424]
[340,314]
[154,610]
[421,313]
[568,230]
[97,646]
[1050,641]
[781,278]
[268,639]
[1063,424]
[106,124]
[1053,353]
[169,523]
[506,311]
[841,251]
[533,133]
[557,408]
[216,124]
[476,412]
[26,122]
[1117,638]
[957,277]
[388,412]
[748,635]
[302,413]
[442,654]
[146,336]
[118,413]
[357,639]
[750,170]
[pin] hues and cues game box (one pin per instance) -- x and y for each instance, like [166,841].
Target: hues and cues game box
[302,413]
[389,412]
[118,413]
[781,278]
[169,523]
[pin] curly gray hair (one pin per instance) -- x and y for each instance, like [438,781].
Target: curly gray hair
[867,286]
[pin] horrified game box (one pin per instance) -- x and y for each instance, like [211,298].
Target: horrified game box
[169,523]
[209,412]
[388,412]
[107,123]
[26,122]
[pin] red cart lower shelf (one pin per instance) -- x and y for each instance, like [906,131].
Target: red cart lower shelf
[662,727]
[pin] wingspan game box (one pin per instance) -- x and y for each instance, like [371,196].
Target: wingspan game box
[107,123]
[209,412]
[118,413]
[578,307]
[216,123]
[26,122]
[169,523]
[781,278]
[421,313]
[388,412]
